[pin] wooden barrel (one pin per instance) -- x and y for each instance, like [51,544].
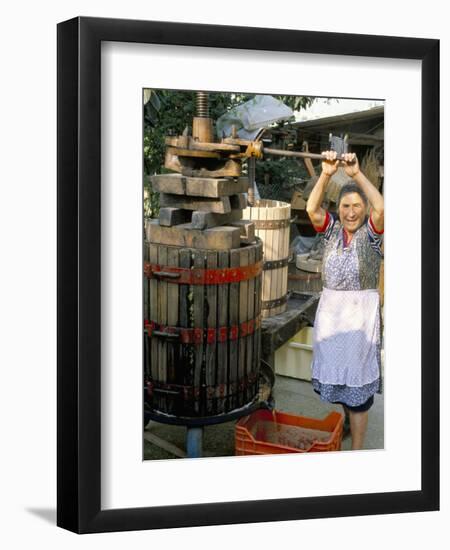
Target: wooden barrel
[272,226]
[202,328]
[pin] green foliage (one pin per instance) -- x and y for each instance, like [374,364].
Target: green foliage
[277,177]
[295,102]
[151,200]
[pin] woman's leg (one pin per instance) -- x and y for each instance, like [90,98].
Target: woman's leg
[358,427]
[346,430]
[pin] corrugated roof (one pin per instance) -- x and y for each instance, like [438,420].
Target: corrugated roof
[328,121]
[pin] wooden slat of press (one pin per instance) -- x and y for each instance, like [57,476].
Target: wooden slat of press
[146,294]
[261,215]
[184,371]
[276,249]
[162,314]
[254,313]
[258,342]
[271,256]
[233,344]
[147,359]
[288,242]
[250,315]
[284,271]
[281,270]
[243,316]
[260,310]
[258,290]
[268,256]
[153,315]
[173,346]
[281,235]
[211,322]
[276,274]
[222,347]
[279,214]
[146,283]
[199,322]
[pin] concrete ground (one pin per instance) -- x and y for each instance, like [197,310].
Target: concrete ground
[291,395]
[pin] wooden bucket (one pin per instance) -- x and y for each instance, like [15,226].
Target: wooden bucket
[272,226]
[202,328]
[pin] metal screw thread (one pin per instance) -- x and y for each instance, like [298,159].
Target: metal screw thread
[202,105]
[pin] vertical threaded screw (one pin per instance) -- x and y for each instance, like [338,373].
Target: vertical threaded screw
[202,105]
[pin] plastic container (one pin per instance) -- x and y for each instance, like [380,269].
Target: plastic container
[294,357]
[273,432]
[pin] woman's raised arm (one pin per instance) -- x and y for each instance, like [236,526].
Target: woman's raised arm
[351,167]
[313,207]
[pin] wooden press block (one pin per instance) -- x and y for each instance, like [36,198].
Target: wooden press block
[219,206]
[215,187]
[297,201]
[171,161]
[202,220]
[247,229]
[231,168]
[173,216]
[238,202]
[198,187]
[216,238]
[169,183]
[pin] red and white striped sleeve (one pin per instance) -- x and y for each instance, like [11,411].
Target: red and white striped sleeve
[375,236]
[373,228]
[325,225]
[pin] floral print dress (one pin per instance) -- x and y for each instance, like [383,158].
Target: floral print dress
[346,366]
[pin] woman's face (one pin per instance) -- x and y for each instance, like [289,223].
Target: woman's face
[352,212]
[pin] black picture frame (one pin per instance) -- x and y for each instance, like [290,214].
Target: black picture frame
[79,276]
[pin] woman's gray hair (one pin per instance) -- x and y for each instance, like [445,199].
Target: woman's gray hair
[352,187]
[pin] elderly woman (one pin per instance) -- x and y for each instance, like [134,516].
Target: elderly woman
[347,334]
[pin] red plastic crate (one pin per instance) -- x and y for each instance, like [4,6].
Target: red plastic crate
[273,432]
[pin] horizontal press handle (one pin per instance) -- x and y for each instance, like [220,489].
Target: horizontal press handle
[300,154]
